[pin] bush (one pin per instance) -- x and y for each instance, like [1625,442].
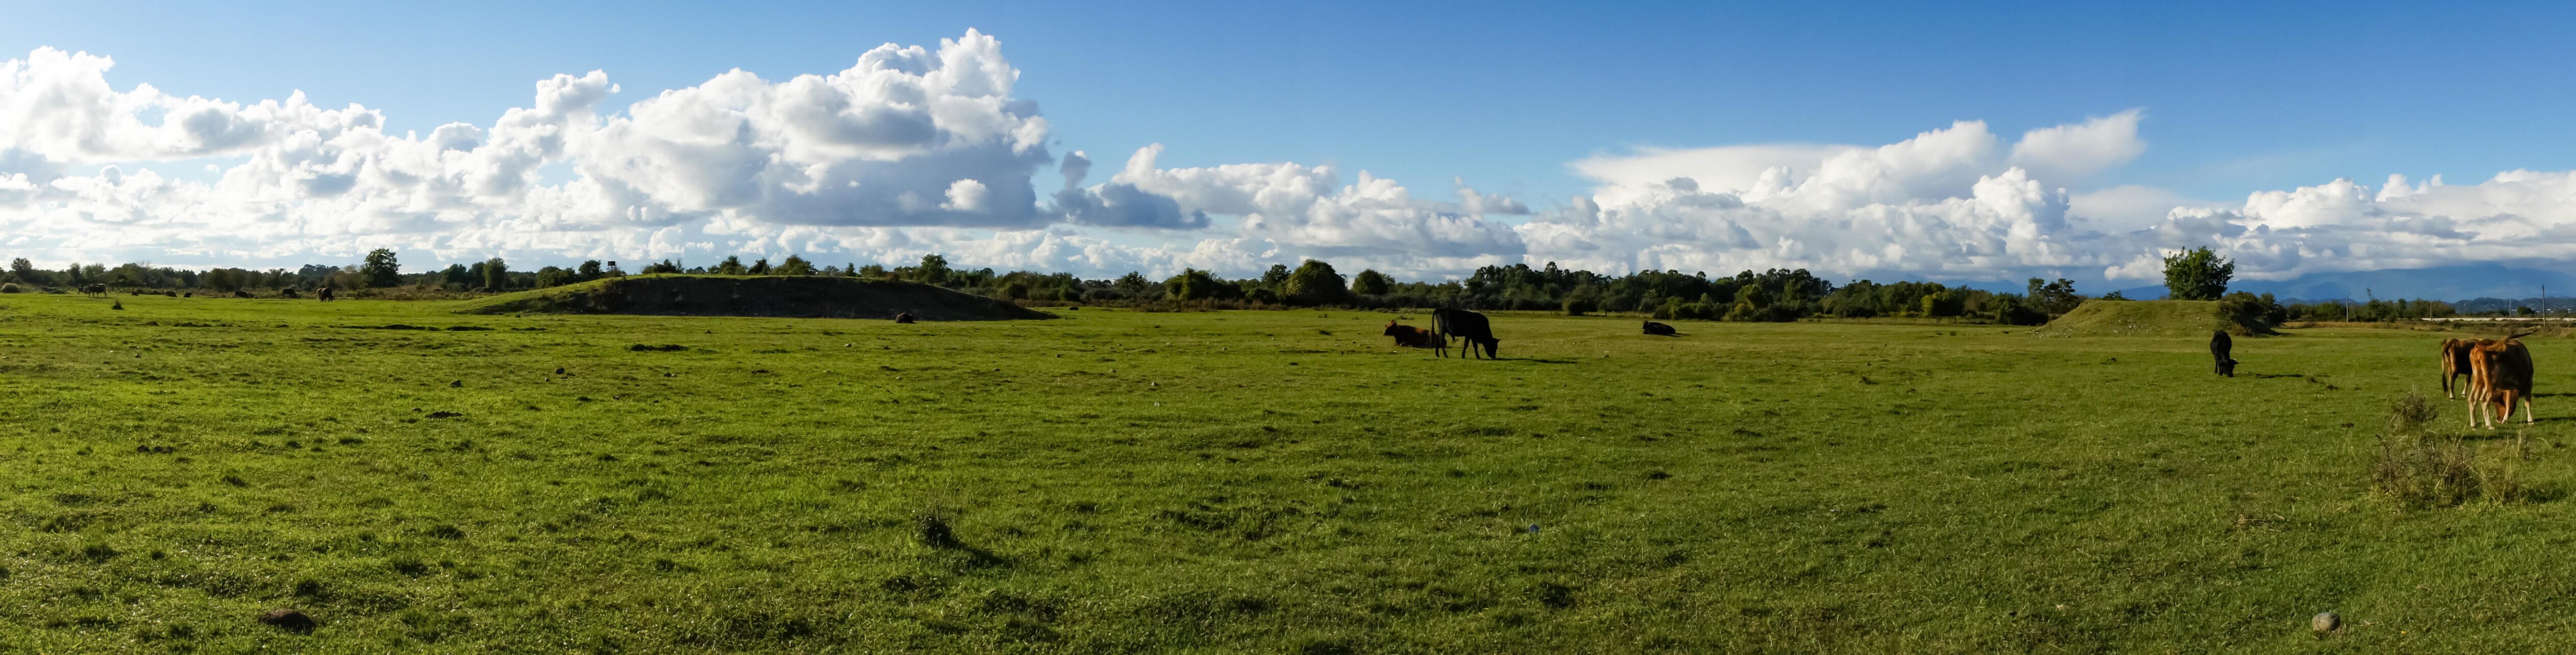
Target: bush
[9,288]
[1579,305]
[2416,468]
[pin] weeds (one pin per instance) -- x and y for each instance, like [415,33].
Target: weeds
[2416,468]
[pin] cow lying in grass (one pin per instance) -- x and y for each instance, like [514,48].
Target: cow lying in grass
[1414,337]
[1659,329]
[2499,376]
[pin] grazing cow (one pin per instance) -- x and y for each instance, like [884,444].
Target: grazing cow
[95,290]
[288,292]
[170,294]
[241,294]
[2455,365]
[2219,344]
[1467,325]
[2499,376]
[191,294]
[1659,329]
[903,317]
[1414,337]
[324,295]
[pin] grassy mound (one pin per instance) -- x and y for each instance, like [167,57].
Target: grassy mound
[795,297]
[2146,318]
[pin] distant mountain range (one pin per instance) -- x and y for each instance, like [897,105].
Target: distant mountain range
[2449,283]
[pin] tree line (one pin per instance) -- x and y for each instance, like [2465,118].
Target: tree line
[1770,295]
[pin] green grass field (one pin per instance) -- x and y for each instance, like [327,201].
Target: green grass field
[1229,482]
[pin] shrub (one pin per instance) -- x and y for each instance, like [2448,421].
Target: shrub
[1580,305]
[2416,468]
[8,288]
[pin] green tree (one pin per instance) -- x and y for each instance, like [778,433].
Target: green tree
[1195,284]
[457,274]
[2054,297]
[26,271]
[1315,283]
[2197,274]
[496,274]
[759,267]
[1276,278]
[1371,283]
[553,277]
[1132,285]
[732,266]
[588,271]
[933,270]
[381,270]
[795,265]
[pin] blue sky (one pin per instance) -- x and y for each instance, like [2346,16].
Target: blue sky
[2236,99]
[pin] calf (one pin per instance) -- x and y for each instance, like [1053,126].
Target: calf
[1659,329]
[2219,344]
[1414,337]
[2455,365]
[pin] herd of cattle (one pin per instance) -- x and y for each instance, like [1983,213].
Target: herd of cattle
[1458,324]
[2499,373]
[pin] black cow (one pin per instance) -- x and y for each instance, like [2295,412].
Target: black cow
[1467,325]
[1658,329]
[2219,344]
[324,294]
[903,317]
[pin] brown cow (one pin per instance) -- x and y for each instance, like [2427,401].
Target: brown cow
[1414,337]
[2455,365]
[903,317]
[2499,376]
[324,294]
[241,294]
[288,292]
[95,290]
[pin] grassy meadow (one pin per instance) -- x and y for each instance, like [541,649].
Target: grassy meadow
[1232,482]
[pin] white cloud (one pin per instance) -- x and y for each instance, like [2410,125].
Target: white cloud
[2066,154]
[915,150]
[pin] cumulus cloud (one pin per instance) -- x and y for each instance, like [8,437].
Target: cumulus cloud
[2071,153]
[1944,205]
[915,150]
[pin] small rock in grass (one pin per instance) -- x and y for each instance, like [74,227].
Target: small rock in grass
[2325,622]
[290,620]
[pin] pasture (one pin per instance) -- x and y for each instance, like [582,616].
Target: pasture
[1230,482]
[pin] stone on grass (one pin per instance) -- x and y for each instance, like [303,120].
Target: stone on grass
[2325,622]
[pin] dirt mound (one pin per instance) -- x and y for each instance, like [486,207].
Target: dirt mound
[2146,318]
[792,297]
